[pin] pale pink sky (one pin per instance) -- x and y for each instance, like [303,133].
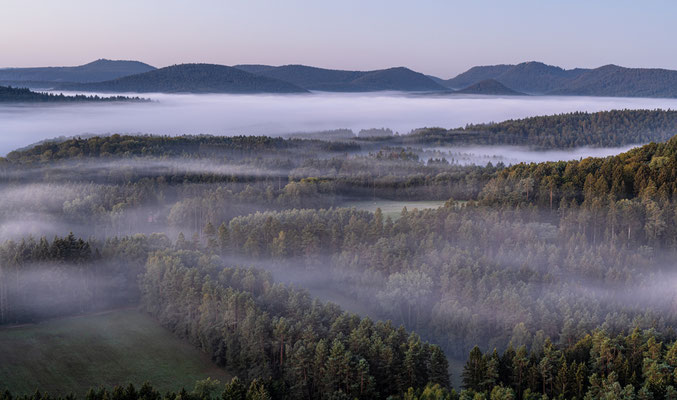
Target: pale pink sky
[432,36]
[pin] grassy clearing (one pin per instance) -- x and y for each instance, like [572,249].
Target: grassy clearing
[391,208]
[116,348]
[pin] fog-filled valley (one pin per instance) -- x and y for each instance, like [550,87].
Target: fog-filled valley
[355,200]
[251,247]
[273,115]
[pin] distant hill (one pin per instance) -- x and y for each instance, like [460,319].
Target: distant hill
[609,80]
[529,77]
[312,78]
[253,68]
[476,74]
[192,78]
[537,78]
[612,80]
[489,87]
[99,70]
[24,95]
[439,81]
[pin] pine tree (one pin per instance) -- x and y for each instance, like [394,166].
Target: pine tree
[474,370]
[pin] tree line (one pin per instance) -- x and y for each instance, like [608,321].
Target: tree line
[261,329]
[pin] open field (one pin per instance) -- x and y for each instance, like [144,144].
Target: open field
[391,208]
[116,348]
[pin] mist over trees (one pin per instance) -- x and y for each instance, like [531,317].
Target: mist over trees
[564,268]
[9,94]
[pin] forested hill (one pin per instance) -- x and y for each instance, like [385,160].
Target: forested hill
[17,95]
[192,78]
[609,80]
[529,77]
[612,80]
[578,129]
[489,87]
[312,78]
[96,71]
[171,146]
[647,173]
[476,74]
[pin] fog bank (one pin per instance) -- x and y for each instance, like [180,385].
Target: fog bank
[509,155]
[21,125]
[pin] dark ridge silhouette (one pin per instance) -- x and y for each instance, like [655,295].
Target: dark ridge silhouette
[612,80]
[476,74]
[489,87]
[609,80]
[192,78]
[312,78]
[99,70]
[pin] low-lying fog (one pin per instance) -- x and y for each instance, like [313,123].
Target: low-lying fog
[509,155]
[21,125]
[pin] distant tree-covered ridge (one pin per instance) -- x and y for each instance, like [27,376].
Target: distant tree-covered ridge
[313,78]
[571,130]
[191,78]
[578,129]
[531,77]
[489,87]
[95,71]
[541,79]
[9,94]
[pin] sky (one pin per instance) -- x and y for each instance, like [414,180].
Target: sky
[436,37]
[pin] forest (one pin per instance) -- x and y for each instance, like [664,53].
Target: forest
[577,129]
[539,280]
[9,94]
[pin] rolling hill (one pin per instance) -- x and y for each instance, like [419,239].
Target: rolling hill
[537,78]
[476,74]
[612,80]
[191,78]
[489,87]
[313,78]
[99,70]
[529,77]
[541,79]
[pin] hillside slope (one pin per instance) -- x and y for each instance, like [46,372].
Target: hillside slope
[612,80]
[192,78]
[537,78]
[72,354]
